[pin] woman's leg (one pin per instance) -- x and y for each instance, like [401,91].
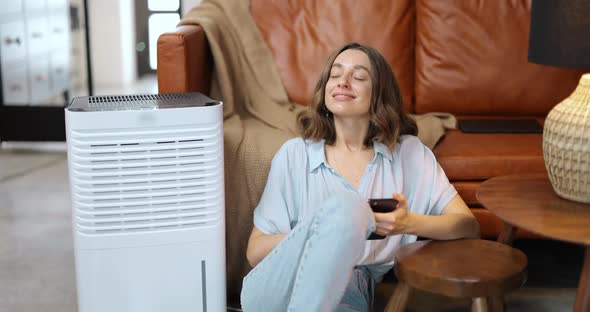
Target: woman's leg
[359,293]
[310,269]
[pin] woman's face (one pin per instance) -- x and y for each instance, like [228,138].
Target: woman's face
[349,88]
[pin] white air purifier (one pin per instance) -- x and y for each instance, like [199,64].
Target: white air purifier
[146,179]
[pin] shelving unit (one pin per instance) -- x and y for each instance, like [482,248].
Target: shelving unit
[42,64]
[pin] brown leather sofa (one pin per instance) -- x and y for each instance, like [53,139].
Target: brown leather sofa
[468,58]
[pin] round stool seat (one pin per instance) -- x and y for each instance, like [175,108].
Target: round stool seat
[461,268]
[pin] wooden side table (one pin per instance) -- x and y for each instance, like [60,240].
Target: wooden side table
[463,268]
[529,202]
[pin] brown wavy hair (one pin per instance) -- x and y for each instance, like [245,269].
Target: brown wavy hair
[387,120]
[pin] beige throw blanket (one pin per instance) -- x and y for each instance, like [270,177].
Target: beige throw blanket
[258,118]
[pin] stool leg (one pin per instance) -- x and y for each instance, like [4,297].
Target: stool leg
[496,304]
[583,293]
[479,304]
[399,299]
[507,235]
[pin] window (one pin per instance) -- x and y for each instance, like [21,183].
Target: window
[153,17]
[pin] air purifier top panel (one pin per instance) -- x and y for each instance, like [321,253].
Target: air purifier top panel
[139,102]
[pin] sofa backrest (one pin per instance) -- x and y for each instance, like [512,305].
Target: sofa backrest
[463,57]
[302,33]
[471,59]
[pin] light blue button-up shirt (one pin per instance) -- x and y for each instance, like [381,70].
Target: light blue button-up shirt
[300,179]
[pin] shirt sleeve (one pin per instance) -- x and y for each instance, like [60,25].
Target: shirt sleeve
[442,191]
[426,185]
[274,211]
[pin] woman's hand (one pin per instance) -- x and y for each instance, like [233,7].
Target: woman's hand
[456,221]
[398,221]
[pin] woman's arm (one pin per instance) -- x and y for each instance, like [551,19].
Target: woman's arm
[456,221]
[260,244]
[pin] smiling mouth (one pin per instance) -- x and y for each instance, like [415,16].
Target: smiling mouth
[343,96]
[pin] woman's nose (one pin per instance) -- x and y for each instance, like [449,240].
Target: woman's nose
[343,82]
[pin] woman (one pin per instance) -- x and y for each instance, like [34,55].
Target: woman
[309,246]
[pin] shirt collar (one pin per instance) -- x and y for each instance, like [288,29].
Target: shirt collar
[383,150]
[315,153]
[317,156]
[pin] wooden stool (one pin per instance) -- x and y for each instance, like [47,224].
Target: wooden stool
[464,268]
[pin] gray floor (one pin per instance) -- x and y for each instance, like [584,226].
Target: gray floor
[36,256]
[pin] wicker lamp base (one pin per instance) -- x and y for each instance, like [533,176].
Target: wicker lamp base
[566,144]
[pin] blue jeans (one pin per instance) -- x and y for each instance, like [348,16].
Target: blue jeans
[313,268]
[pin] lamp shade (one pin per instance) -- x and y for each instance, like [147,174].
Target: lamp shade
[559,33]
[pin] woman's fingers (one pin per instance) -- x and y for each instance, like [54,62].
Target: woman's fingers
[381,217]
[380,230]
[401,200]
[387,223]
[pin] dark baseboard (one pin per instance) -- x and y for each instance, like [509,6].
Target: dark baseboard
[32,123]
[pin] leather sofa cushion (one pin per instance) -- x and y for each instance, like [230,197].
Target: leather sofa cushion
[471,58]
[468,191]
[301,34]
[480,156]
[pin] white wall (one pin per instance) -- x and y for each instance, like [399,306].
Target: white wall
[112,41]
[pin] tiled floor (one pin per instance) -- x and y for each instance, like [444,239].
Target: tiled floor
[36,249]
[36,259]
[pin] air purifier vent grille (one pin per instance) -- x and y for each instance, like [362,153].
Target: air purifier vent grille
[141,102]
[148,179]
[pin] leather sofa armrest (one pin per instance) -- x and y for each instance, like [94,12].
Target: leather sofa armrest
[184,61]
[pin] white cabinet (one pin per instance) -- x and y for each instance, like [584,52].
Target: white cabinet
[13,46]
[15,88]
[35,51]
[38,36]
[60,31]
[11,7]
[35,5]
[39,81]
[59,71]
[57,4]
